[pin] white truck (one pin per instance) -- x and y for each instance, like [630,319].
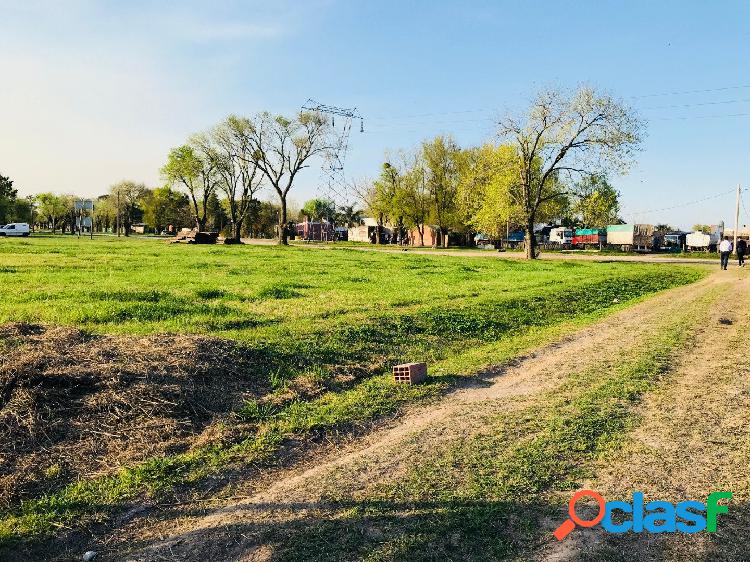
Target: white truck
[15,229]
[701,241]
[561,235]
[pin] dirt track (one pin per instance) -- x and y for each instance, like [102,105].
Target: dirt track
[230,533]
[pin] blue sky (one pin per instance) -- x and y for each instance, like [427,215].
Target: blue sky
[94,92]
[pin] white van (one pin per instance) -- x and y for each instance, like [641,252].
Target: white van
[15,229]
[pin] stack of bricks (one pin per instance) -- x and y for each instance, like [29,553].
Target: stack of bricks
[411,373]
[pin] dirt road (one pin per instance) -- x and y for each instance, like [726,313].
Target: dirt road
[667,454]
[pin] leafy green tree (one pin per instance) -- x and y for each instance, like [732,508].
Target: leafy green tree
[704,228]
[488,194]
[381,198]
[105,217]
[583,133]
[441,165]
[412,199]
[7,199]
[126,195]
[52,208]
[22,210]
[195,170]
[164,206]
[216,214]
[348,215]
[317,209]
[597,202]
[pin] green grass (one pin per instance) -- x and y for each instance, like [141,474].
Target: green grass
[484,496]
[302,313]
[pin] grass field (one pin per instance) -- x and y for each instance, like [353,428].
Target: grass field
[317,328]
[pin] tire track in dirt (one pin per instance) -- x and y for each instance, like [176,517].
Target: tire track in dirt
[385,454]
[694,438]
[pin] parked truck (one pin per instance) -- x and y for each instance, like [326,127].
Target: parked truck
[589,237]
[700,241]
[561,235]
[628,237]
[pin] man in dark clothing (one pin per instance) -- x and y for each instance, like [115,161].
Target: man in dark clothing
[741,251]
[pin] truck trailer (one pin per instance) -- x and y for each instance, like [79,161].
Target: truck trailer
[628,237]
[589,237]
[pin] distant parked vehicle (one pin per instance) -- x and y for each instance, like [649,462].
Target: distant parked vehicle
[703,242]
[589,237]
[629,237]
[561,235]
[15,229]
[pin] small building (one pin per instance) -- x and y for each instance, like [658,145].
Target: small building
[139,228]
[366,231]
[317,231]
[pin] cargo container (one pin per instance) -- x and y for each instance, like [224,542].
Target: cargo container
[633,237]
[589,237]
[701,241]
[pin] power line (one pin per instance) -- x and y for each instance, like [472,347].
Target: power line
[687,204]
[686,92]
[641,96]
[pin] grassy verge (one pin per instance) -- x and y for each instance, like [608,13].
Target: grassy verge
[301,314]
[485,496]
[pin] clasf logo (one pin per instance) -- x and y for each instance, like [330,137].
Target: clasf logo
[653,517]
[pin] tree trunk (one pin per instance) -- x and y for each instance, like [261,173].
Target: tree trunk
[530,240]
[421,235]
[379,230]
[236,231]
[283,235]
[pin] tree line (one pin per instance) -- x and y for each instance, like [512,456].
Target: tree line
[550,163]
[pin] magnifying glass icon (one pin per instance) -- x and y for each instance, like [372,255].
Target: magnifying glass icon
[569,524]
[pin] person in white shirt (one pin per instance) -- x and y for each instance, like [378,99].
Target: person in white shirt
[725,248]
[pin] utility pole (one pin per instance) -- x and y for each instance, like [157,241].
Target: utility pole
[736,219]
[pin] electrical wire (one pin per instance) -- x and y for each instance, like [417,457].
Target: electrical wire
[686,204]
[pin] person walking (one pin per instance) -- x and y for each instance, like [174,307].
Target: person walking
[725,249]
[741,251]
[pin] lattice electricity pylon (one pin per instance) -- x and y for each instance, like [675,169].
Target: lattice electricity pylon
[334,181]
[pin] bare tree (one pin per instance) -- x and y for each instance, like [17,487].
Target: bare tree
[281,147]
[231,151]
[565,135]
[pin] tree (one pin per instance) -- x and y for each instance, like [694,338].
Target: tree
[231,151]
[22,210]
[317,209]
[281,147]
[216,214]
[381,198]
[105,216]
[191,167]
[579,134]
[440,157]
[126,196]
[488,194]
[7,199]
[52,208]
[412,195]
[597,203]
[348,215]
[164,206]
